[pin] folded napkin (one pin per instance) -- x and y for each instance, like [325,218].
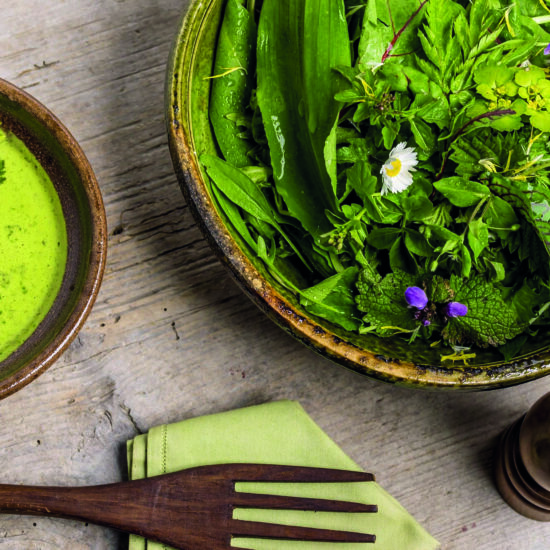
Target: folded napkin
[276,433]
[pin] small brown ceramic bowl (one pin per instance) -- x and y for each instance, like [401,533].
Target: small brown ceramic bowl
[390,360]
[61,157]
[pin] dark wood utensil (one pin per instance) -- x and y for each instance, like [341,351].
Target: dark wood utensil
[192,509]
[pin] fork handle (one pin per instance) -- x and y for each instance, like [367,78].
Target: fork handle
[128,506]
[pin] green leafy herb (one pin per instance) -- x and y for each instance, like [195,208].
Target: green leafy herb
[490,320]
[373,147]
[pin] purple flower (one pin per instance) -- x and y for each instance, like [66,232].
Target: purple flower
[416,297]
[456,309]
[426,322]
[547,50]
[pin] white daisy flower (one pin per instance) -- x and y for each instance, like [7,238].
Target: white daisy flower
[396,173]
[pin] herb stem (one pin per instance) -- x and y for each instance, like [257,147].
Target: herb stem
[460,131]
[397,35]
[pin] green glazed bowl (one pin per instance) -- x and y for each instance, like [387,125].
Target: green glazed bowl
[75,184]
[190,135]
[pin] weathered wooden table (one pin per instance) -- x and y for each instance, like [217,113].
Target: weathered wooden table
[172,337]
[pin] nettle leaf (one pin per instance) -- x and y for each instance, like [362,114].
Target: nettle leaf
[462,192]
[384,302]
[469,150]
[490,320]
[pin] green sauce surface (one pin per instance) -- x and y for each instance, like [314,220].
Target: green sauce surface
[33,244]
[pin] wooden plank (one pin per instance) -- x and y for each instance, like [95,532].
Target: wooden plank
[172,337]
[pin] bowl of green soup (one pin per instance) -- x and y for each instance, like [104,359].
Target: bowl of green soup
[53,238]
[377,177]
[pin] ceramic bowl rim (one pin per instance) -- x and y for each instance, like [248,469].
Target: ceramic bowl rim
[266,296]
[98,234]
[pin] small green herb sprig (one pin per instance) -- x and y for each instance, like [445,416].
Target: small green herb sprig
[392,145]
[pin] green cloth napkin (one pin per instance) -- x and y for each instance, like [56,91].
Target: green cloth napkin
[276,433]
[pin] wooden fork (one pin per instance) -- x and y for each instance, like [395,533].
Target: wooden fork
[192,509]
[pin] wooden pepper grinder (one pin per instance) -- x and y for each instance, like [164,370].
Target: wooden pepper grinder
[523,462]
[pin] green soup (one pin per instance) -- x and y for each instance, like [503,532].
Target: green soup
[33,243]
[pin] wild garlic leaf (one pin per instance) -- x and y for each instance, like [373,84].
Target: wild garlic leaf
[232,82]
[333,299]
[235,218]
[296,52]
[242,191]
[490,320]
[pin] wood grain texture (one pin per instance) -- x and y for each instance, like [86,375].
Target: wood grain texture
[172,337]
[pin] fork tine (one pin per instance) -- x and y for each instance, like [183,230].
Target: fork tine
[296,474]
[276,502]
[256,529]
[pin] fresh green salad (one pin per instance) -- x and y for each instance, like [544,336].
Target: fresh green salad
[389,161]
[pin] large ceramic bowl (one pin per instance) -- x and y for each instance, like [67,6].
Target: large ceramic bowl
[60,156]
[187,100]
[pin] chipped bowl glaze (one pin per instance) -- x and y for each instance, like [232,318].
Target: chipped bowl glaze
[388,360]
[62,158]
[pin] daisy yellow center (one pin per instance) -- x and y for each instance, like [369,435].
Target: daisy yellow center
[396,168]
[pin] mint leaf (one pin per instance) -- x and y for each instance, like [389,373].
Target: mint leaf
[490,320]
[384,302]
